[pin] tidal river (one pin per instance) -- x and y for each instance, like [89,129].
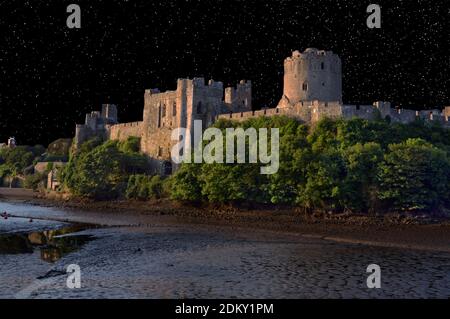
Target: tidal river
[135,257]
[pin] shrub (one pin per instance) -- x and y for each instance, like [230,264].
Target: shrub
[185,183]
[35,181]
[144,187]
[414,176]
[101,170]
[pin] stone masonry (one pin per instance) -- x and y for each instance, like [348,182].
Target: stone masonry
[312,90]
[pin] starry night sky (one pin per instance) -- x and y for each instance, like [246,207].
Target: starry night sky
[50,76]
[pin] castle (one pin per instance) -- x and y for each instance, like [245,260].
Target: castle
[312,89]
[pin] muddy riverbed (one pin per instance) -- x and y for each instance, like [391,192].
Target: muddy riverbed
[129,257]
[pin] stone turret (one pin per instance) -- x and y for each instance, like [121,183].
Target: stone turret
[312,75]
[239,99]
[96,124]
[109,112]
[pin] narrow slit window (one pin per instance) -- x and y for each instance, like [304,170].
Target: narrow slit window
[305,87]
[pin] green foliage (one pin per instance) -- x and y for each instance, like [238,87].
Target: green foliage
[362,161]
[324,184]
[335,165]
[232,183]
[144,187]
[49,166]
[35,181]
[131,145]
[185,184]
[101,170]
[414,175]
[7,170]
[17,158]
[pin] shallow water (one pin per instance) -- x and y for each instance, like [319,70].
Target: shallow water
[188,261]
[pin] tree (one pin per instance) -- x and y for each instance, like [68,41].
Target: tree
[362,161]
[185,183]
[324,187]
[144,187]
[130,145]
[295,155]
[19,157]
[102,171]
[233,183]
[414,176]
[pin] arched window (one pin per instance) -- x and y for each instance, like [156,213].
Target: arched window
[305,87]
[199,108]
[322,65]
[163,111]
[174,109]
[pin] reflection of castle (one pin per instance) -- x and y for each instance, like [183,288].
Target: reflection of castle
[312,90]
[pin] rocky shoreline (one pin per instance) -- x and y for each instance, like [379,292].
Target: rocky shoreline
[389,230]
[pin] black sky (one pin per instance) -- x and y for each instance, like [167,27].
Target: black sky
[50,76]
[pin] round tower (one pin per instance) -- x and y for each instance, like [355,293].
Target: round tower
[312,75]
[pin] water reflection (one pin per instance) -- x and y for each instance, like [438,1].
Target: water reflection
[53,244]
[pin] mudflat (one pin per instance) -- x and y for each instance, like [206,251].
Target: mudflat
[387,230]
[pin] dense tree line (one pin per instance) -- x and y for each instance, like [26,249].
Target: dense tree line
[335,165]
[16,163]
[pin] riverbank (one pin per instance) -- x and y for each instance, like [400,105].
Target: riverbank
[136,255]
[17,193]
[391,230]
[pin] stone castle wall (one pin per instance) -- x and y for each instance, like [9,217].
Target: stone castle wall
[123,131]
[312,112]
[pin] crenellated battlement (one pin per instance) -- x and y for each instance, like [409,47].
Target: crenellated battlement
[122,131]
[313,111]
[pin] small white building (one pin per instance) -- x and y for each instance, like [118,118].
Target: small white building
[12,142]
